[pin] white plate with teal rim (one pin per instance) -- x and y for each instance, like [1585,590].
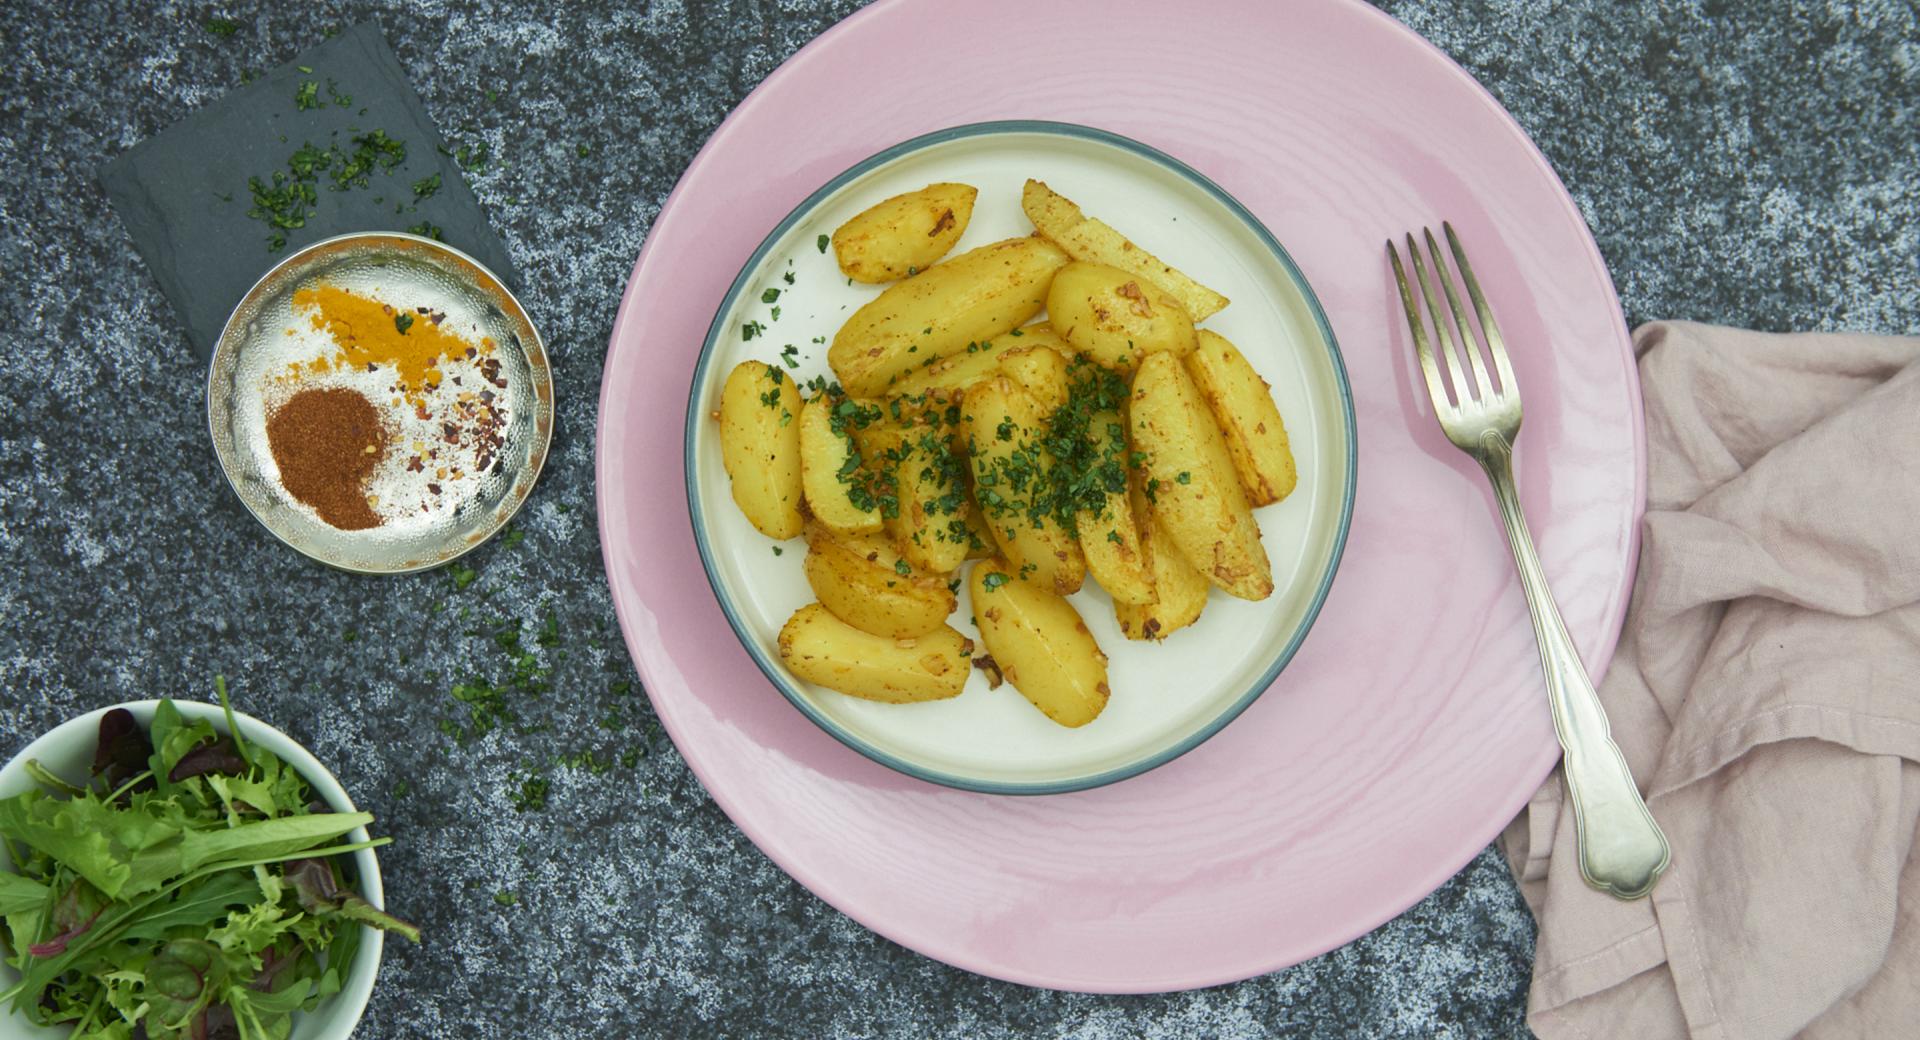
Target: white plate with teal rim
[1167,698]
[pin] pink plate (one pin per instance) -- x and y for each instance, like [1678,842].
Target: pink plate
[1411,726]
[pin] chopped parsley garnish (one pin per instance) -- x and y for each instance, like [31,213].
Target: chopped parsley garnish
[307,96]
[776,314]
[427,229]
[1074,465]
[751,329]
[1183,477]
[820,243]
[993,581]
[403,321]
[777,551]
[788,277]
[902,568]
[790,356]
[426,186]
[770,296]
[221,26]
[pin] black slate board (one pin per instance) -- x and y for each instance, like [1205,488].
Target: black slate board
[183,193]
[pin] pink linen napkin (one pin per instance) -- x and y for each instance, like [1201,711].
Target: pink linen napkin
[1766,692]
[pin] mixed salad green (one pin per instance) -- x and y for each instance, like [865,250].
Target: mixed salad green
[189,889]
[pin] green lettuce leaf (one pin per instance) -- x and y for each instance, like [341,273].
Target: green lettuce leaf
[266,838]
[19,894]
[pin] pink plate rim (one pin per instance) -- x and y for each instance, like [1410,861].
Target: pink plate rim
[1416,880]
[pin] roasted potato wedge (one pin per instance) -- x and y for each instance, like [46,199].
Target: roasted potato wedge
[1005,431]
[1085,238]
[760,446]
[1191,481]
[956,372]
[1110,537]
[821,648]
[926,479]
[1116,317]
[904,235]
[1242,405]
[972,298]
[1041,372]
[865,582]
[828,459]
[1179,591]
[1038,642]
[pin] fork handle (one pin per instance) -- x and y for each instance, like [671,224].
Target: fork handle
[1621,849]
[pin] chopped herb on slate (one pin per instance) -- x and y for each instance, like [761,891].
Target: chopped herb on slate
[307,96]
[426,186]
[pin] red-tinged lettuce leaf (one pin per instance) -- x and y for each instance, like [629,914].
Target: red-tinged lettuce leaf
[124,751]
[218,756]
[317,885]
[74,915]
[182,980]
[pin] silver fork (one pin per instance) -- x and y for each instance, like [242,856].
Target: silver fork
[1621,849]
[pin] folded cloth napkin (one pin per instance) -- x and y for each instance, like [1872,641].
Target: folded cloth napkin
[1766,692]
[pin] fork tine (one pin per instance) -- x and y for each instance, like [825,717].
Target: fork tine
[1461,388]
[1495,345]
[1469,343]
[1435,389]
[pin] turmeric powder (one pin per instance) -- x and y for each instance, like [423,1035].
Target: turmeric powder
[370,332]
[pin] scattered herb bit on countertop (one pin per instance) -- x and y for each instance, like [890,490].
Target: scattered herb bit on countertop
[221,26]
[426,186]
[307,96]
[187,887]
[426,229]
[505,898]
[462,574]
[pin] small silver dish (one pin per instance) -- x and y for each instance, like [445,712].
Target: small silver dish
[437,493]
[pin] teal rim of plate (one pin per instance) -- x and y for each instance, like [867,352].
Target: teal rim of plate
[695,413]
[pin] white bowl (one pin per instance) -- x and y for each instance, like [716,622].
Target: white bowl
[68,749]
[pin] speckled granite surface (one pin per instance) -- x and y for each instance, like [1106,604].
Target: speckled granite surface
[1740,162]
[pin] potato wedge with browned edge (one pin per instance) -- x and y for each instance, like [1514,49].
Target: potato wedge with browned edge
[760,446]
[1243,406]
[1006,433]
[926,480]
[1179,591]
[1041,372]
[822,649]
[865,582]
[1191,481]
[904,235]
[972,298]
[1110,537]
[1038,642]
[1116,317]
[1085,238]
[977,361]
[828,462]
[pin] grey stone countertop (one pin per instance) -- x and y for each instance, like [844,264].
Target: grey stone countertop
[1741,162]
